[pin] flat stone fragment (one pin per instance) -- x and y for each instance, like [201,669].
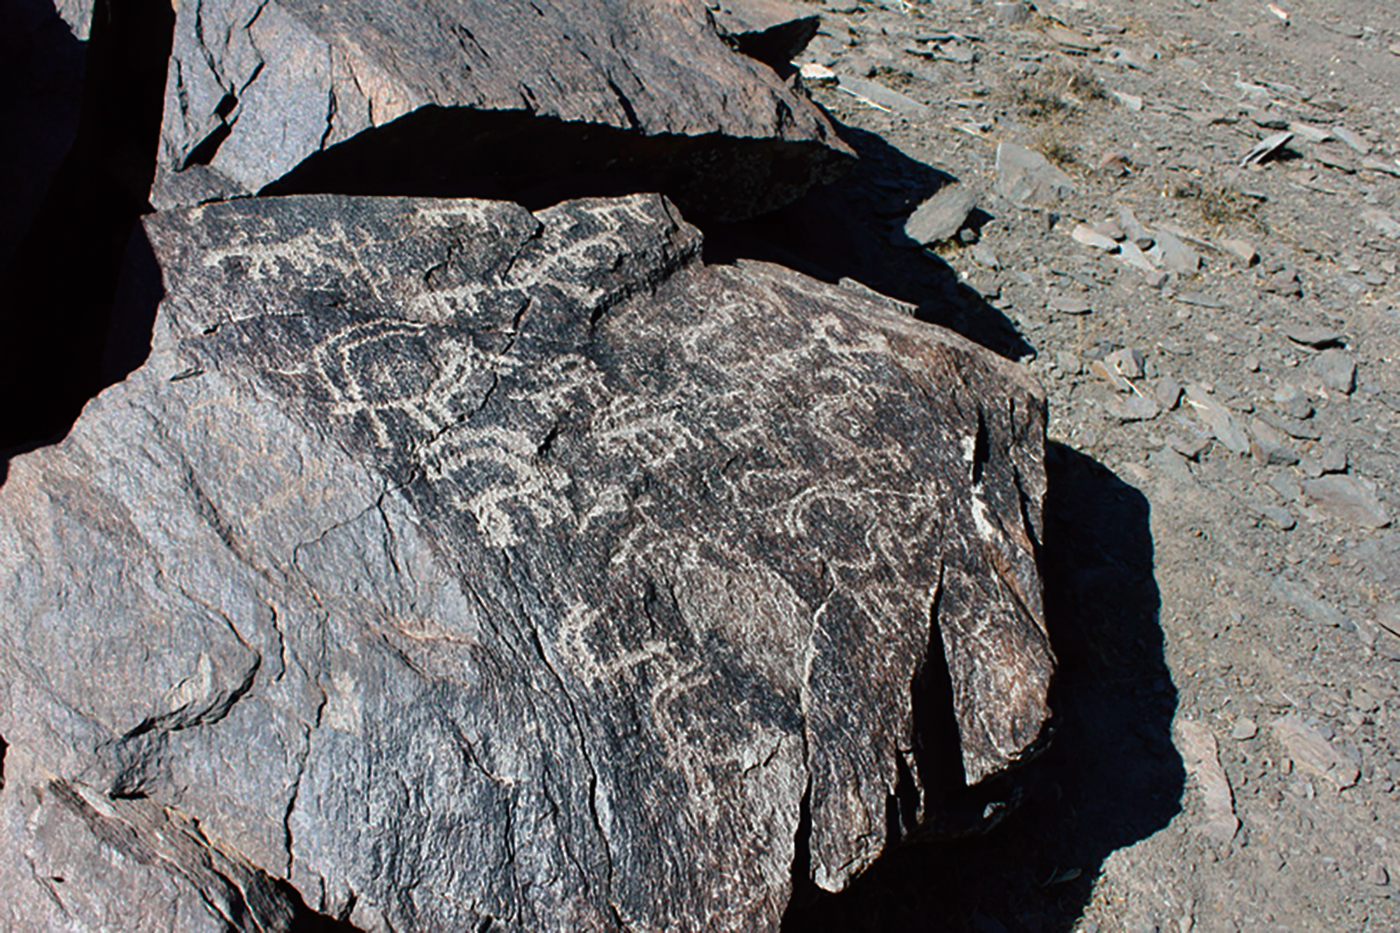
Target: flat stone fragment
[482,97]
[1201,756]
[1381,221]
[941,216]
[1311,751]
[451,566]
[1266,148]
[1069,304]
[1337,370]
[1241,250]
[1310,335]
[1217,419]
[886,98]
[1025,176]
[1088,236]
[1173,254]
[1345,498]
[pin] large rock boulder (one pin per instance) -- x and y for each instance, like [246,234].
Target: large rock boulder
[448,562]
[482,97]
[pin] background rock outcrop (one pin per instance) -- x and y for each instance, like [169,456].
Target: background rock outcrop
[448,562]
[516,99]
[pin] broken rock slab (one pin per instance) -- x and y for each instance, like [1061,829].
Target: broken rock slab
[447,562]
[482,98]
[1200,754]
[940,217]
[1026,177]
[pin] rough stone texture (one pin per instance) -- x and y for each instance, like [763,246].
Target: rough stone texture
[438,97]
[454,562]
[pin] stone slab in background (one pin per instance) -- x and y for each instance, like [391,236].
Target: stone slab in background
[773,31]
[451,562]
[482,98]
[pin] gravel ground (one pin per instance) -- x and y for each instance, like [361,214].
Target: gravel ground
[1217,342]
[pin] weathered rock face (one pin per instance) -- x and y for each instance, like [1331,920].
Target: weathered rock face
[447,561]
[481,98]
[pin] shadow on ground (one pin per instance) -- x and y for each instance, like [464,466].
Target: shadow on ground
[1111,775]
[843,231]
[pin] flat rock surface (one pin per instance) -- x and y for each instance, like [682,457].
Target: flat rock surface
[438,97]
[451,566]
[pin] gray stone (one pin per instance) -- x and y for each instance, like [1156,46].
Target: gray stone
[1217,419]
[1243,251]
[1088,236]
[1069,304]
[1167,391]
[1012,14]
[1134,408]
[985,256]
[1266,148]
[1025,177]
[1174,255]
[478,97]
[1344,497]
[1127,362]
[1310,335]
[941,216]
[1381,221]
[1244,729]
[1353,139]
[1337,370]
[1310,750]
[1300,598]
[447,564]
[1334,459]
[886,98]
[1269,446]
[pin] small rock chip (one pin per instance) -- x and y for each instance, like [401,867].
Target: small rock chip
[1380,165]
[1345,498]
[1241,250]
[1217,419]
[1025,176]
[1293,402]
[1267,147]
[985,256]
[940,217]
[1202,759]
[1334,459]
[1269,446]
[1190,446]
[1317,134]
[1175,255]
[1131,101]
[1110,229]
[884,98]
[1284,282]
[1129,252]
[1012,14]
[1069,39]
[817,74]
[1352,139]
[1088,236]
[1069,304]
[1244,729]
[1167,391]
[1127,362]
[1311,750]
[1319,338]
[1134,408]
[1337,370]
[1381,221]
[1286,486]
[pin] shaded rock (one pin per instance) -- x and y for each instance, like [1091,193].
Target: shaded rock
[482,99]
[1024,176]
[940,217]
[518,561]
[1088,236]
[772,31]
[1344,497]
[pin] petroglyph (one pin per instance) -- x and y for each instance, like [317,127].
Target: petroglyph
[600,558]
